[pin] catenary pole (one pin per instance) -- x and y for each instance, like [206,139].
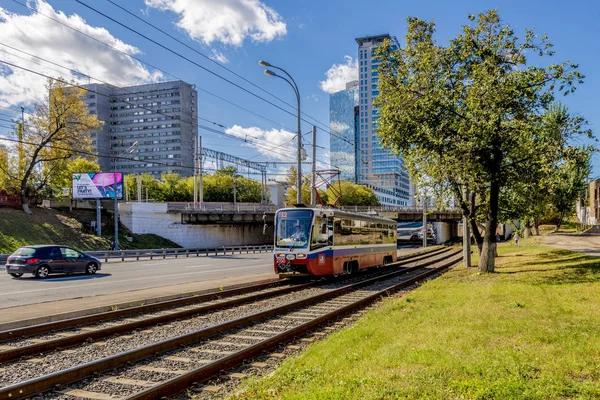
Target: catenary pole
[466,236]
[313,191]
[424,220]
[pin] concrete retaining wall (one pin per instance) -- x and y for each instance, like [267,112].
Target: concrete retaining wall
[153,218]
[445,231]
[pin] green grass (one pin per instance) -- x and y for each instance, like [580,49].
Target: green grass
[51,227]
[529,331]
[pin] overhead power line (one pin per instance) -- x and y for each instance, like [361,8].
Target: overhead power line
[102,155]
[187,59]
[269,147]
[208,58]
[144,63]
[163,71]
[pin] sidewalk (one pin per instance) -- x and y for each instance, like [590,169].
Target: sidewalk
[588,244]
[31,314]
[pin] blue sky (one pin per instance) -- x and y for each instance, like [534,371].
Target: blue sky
[307,38]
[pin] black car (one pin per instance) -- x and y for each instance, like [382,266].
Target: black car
[44,260]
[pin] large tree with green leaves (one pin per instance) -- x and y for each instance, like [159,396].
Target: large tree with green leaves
[57,131]
[469,115]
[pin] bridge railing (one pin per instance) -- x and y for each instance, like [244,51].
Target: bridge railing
[398,209]
[256,207]
[216,207]
[152,254]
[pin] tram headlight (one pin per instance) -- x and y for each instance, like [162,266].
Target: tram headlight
[281,255]
[290,257]
[301,256]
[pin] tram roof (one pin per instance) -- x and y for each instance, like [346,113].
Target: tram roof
[344,214]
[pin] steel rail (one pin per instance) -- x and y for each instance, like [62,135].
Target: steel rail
[46,327]
[32,330]
[206,372]
[41,384]
[75,339]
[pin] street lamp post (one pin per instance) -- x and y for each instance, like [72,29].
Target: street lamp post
[292,83]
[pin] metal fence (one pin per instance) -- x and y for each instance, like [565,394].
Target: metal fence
[219,207]
[151,254]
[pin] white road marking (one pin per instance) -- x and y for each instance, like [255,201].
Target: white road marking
[155,263]
[129,280]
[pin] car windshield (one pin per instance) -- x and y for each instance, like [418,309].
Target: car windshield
[293,228]
[24,252]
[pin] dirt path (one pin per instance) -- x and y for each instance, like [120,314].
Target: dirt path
[586,244]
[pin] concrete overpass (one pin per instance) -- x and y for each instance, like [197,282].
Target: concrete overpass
[226,224]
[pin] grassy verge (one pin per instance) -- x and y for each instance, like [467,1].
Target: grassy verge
[51,227]
[530,330]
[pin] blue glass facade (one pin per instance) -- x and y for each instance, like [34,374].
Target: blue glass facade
[343,113]
[376,167]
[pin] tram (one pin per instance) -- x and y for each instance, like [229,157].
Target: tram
[322,241]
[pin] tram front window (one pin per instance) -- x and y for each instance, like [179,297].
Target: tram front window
[293,228]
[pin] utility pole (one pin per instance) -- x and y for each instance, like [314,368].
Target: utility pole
[424,220]
[98,219]
[116,215]
[466,235]
[139,188]
[200,164]
[313,190]
[234,189]
[196,171]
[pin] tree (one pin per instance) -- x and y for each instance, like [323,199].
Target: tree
[63,172]
[174,188]
[55,132]
[469,115]
[354,195]
[150,185]
[570,181]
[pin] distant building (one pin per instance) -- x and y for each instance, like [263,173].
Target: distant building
[594,204]
[343,115]
[148,128]
[376,167]
[354,145]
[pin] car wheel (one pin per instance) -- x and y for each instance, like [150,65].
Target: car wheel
[42,272]
[91,269]
[16,274]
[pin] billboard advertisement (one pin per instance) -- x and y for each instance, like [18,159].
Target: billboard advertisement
[98,185]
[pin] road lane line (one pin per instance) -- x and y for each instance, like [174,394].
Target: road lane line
[130,280]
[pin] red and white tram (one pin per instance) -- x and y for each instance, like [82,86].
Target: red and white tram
[321,241]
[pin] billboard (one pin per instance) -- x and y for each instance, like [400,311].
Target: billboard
[98,185]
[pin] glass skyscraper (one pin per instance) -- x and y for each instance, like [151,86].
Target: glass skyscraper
[352,115]
[343,113]
[376,167]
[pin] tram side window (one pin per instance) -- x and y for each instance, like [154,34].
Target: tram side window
[321,236]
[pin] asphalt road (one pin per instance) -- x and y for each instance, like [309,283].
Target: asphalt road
[117,277]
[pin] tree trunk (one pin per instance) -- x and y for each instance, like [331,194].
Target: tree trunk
[526,232]
[474,228]
[487,261]
[560,219]
[476,234]
[536,225]
[25,198]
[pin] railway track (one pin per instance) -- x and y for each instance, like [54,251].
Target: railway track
[217,337]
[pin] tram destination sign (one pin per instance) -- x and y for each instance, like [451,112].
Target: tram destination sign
[98,185]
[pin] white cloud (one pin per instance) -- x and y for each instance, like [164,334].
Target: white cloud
[338,127]
[280,144]
[45,38]
[226,21]
[220,57]
[340,74]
